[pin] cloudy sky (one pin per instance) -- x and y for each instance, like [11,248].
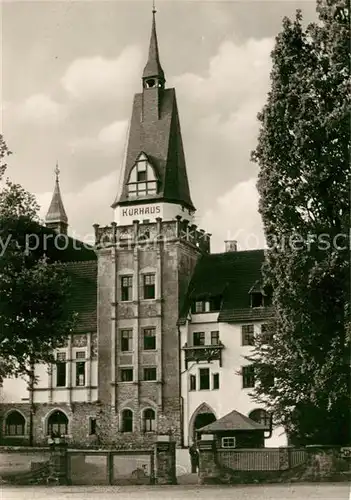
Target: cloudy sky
[69,73]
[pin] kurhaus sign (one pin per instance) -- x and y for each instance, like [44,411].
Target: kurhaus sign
[142,210]
[150,212]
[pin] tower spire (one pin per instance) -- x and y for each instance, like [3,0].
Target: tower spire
[153,68]
[56,217]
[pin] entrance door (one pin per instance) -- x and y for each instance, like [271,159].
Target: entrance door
[201,420]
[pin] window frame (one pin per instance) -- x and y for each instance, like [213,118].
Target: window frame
[248,335]
[149,368]
[149,424]
[201,339]
[215,377]
[248,377]
[129,419]
[50,425]
[126,290]
[152,346]
[192,382]
[215,336]
[149,286]
[129,339]
[124,370]
[18,426]
[61,364]
[80,365]
[201,378]
[225,439]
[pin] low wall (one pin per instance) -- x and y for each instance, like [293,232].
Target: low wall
[313,463]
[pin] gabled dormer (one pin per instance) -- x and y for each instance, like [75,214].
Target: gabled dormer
[143,180]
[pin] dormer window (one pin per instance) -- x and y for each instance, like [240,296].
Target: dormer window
[142,178]
[256,299]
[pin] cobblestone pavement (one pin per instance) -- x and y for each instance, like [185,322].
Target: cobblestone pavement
[326,491]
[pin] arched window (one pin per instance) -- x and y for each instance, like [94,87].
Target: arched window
[142,178]
[127,421]
[261,416]
[58,423]
[15,424]
[149,420]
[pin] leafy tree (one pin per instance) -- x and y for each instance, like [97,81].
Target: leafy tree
[35,316]
[303,185]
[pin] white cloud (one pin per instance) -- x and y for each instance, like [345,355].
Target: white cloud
[236,73]
[99,78]
[41,109]
[235,217]
[110,140]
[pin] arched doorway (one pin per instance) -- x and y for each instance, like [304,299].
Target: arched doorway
[202,416]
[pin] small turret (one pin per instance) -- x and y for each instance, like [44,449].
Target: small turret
[56,217]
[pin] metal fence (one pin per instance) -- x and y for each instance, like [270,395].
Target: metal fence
[264,459]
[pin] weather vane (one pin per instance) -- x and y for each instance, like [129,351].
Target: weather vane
[57,170]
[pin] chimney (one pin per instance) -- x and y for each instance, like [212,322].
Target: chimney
[231,245]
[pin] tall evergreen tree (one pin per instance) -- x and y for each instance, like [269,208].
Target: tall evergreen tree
[303,184]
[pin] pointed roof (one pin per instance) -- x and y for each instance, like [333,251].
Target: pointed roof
[233,421]
[153,66]
[56,212]
[161,141]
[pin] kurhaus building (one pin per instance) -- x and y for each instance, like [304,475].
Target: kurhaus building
[164,325]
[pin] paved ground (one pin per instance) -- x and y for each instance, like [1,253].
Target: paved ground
[338,491]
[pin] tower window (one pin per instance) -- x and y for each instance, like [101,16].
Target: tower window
[149,286]
[126,288]
[149,339]
[150,373]
[126,340]
[142,179]
[192,382]
[215,381]
[80,373]
[127,375]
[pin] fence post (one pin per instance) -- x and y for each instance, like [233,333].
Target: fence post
[59,461]
[109,467]
[283,458]
[165,460]
[209,470]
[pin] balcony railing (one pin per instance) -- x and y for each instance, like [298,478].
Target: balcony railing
[207,353]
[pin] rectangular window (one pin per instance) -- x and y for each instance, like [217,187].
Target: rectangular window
[126,374]
[149,286]
[199,306]
[199,338]
[192,383]
[204,379]
[150,373]
[92,426]
[215,381]
[80,355]
[215,338]
[248,375]
[126,288]
[256,299]
[61,369]
[126,340]
[80,373]
[247,335]
[149,339]
[228,442]
[266,335]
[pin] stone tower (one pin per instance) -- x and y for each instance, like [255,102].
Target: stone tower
[145,261]
[56,217]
